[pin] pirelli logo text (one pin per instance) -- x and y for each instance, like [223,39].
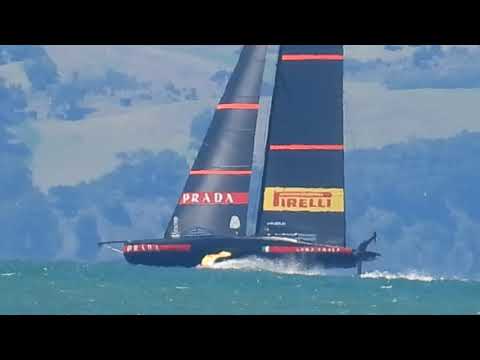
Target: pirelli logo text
[303,200]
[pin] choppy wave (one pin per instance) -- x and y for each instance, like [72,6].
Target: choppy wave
[410,275]
[253,286]
[413,276]
[274,266]
[295,268]
[7,274]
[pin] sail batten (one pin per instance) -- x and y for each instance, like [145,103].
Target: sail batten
[221,172]
[239,106]
[303,181]
[312,57]
[215,197]
[303,147]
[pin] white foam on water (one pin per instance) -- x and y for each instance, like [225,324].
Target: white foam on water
[274,266]
[8,274]
[411,275]
[338,303]
[285,267]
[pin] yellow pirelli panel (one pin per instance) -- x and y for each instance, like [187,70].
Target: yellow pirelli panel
[303,200]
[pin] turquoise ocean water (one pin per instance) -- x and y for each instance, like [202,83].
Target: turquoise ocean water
[235,287]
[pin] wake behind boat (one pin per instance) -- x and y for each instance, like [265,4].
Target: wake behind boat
[302,209]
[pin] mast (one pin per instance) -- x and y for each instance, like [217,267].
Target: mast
[215,198]
[303,180]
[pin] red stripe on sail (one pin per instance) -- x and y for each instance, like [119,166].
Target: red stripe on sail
[300,147]
[238,106]
[214,198]
[221,172]
[310,57]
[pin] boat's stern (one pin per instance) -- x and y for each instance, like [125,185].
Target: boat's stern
[326,256]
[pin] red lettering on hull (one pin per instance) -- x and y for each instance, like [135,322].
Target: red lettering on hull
[307,250]
[141,248]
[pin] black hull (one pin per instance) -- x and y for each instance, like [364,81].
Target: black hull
[190,252]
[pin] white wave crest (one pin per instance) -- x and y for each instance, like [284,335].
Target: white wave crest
[411,275]
[289,267]
[274,266]
[8,274]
